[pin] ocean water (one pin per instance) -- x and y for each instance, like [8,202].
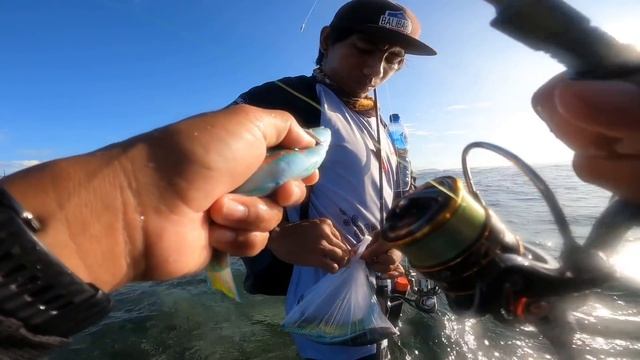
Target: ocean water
[184,319]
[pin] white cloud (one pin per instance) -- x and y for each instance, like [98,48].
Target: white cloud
[476,105]
[7,167]
[420,132]
[434,134]
[454,132]
[624,30]
[35,153]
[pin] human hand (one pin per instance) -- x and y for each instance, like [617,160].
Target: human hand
[382,258]
[600,121]
[212,155]
[314,243]
[153,206]
[241,224]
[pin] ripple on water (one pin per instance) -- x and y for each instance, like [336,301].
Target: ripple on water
[184,319]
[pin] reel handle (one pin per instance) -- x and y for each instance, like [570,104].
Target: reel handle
[588,53]
[614,222]
[556,28]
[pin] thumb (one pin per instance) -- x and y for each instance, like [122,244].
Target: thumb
[279,128]
[376,248]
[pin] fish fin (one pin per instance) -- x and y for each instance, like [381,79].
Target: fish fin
[220,276]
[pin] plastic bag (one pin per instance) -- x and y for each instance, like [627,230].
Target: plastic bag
[342,309]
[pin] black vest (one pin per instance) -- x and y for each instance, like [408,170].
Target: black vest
[266,274]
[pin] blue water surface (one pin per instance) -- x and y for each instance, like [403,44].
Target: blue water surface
[184,319]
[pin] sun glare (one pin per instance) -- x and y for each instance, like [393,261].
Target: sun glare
[626,256]
[625,31]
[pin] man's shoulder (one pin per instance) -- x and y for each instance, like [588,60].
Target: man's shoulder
[281,87]
[295,94]
[296,79]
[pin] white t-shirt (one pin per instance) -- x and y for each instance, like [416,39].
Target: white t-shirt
[348,194]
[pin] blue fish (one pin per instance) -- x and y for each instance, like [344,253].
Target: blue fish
[280,166]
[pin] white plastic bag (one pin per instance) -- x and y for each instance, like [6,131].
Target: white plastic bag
[342,309]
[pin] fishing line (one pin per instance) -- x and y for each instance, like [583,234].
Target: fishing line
[387,94]
[444,190]
[377,144]
[379,154]
[317,106]
[306,19]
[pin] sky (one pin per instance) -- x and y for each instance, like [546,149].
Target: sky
[76,75]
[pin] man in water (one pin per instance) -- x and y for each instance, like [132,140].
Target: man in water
[577,111]
[115,206]
[364,46]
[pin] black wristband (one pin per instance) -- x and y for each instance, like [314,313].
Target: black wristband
[37,289]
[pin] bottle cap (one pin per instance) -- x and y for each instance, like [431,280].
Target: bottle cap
[394,118]
[401,284]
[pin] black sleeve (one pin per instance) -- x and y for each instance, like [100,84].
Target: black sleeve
[296,95]
[266,274]
[18,343]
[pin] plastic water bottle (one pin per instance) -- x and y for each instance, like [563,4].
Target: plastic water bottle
[398,135]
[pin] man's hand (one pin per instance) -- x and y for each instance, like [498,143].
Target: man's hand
[209,156]
[382,258]
[314,243]
[600,121]
[153,206]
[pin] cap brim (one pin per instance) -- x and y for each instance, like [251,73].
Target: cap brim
[410,44]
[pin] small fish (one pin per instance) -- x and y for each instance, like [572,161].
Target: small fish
[280,166]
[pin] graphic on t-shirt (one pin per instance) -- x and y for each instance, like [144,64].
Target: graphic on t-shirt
[360,230]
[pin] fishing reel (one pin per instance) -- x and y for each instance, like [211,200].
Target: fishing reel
[451,237]
[412,289]
[422,293]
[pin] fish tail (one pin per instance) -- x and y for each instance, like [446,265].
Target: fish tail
[220,276]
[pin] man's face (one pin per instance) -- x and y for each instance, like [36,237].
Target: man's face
[358,64]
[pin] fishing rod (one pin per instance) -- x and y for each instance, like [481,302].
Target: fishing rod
[450,235]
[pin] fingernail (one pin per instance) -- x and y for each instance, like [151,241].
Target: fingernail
[222,235]
[610,93]
[627,147]
[539,110]
[544,97]
[313,136]
[295,193]
[611,90]
[235,211]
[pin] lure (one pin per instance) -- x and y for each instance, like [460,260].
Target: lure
[279,166]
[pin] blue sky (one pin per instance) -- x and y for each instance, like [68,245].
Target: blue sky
[76,75]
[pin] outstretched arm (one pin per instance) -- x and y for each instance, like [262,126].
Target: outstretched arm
[153,206]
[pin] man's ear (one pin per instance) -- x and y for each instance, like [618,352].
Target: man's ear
[324,39]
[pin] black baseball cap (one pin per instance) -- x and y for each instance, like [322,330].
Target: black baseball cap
[383,20]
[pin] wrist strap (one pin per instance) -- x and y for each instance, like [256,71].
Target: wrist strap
[37,289]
